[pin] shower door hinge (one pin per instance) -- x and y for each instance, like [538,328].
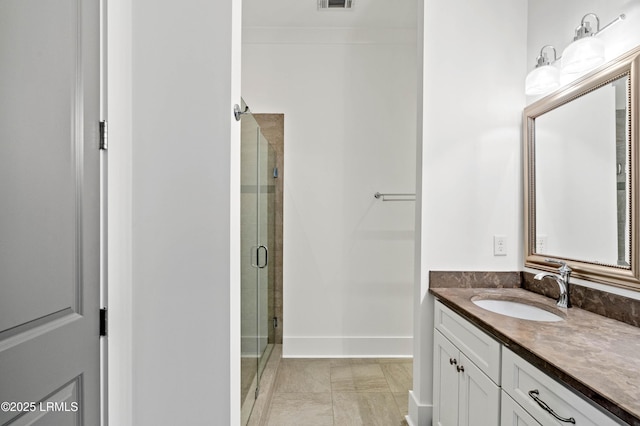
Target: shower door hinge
[275,322]
[103,322]
[104,135]
[275,173]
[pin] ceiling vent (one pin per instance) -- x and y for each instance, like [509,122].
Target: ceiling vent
[335,4]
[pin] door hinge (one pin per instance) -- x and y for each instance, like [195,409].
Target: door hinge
[257,392]
[275,322]
[104,135]
[103,322]
[275,173]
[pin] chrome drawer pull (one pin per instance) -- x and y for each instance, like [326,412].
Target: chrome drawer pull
[534,394]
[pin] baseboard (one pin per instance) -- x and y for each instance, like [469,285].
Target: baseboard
[419,415]
[347,347]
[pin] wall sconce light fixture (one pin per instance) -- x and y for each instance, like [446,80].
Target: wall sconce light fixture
[545,77]
[586,51]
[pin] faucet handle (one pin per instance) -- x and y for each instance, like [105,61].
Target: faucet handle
[563,265]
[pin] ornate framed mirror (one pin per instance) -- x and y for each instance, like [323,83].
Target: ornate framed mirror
[581,175]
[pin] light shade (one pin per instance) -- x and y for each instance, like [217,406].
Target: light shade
[541,80]
[582,55]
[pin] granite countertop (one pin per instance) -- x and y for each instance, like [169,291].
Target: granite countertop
[596,356]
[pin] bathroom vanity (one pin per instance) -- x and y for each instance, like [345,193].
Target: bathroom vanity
[493,369]
[493,364]
[537,363]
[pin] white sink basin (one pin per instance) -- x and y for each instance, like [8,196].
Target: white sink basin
[516,310]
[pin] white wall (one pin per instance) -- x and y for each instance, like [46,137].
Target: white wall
[474,69]
[185,220]
[348,95]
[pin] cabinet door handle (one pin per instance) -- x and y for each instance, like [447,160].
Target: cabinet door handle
[534,394]
[460,368]
[453,361]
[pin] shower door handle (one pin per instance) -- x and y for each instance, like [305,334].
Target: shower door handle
[266,257]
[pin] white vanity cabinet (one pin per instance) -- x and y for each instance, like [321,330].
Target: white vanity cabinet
[466,373]
[478,382]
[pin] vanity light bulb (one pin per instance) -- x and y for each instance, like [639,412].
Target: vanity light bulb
[582,55]
[542,80]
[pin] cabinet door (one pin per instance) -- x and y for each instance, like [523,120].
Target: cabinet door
[482,350]
[445,382]
[512,414]
[479,403]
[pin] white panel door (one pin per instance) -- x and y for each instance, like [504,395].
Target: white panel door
[49,212]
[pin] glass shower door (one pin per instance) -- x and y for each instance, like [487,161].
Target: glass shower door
[257,239]
[266,240]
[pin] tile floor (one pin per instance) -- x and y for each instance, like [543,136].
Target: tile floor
[339,392]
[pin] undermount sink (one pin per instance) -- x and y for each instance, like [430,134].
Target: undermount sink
[516,310]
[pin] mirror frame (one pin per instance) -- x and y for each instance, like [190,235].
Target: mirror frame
[621,276]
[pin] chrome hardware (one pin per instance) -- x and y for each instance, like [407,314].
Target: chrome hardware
[395,197]
[238,113]
[620,17]
[453,361]
[534,394]
[255,257]
[266,257]
[562,279]
[460,368]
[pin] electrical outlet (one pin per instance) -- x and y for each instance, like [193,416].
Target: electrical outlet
[541,243]
[499,245]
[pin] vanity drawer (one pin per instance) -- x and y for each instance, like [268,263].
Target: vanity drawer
[512,414]
[524,382]
[480,348]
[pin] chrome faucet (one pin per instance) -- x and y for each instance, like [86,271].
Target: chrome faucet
[562,278]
